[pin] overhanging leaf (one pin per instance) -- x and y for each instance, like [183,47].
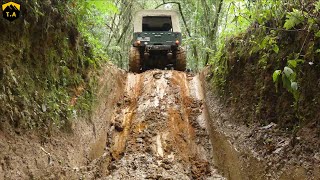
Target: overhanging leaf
[276,75]
[104,6]
[288,72]
[286,82]
[294,86]
[294,18]
[317,6]
[276,49]
[292,63]
[235,19]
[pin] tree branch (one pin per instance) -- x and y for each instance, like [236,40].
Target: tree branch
[182,16]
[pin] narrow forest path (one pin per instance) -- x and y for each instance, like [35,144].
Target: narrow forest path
[160,124]
[151,125]
[159,130]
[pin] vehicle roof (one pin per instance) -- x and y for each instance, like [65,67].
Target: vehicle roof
[156,12]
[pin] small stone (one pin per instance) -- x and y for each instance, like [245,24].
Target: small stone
[317,156]
[157,75]
[76,169]
[118,127]
[139,140]
[112,167]
[269,126]
[277,150]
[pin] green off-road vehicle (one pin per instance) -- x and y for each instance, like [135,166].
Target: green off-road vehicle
[156,41]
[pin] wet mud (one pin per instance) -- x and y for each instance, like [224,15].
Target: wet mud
[159,130]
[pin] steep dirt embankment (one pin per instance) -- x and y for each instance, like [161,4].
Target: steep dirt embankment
[258,152]
[63,155]
[159,129]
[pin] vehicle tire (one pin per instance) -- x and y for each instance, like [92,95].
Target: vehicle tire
[181,62]
[134,60]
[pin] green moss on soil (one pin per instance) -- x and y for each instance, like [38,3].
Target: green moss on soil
[242,74]
[45,74]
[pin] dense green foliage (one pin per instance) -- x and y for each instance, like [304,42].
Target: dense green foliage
[45,69]
[272,69]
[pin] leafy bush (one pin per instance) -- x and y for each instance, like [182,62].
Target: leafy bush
[289,77]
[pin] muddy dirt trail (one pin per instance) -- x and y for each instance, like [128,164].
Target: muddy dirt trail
[151,125]
[155,125]
[159,129]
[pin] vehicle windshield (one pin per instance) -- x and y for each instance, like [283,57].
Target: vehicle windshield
[157,23]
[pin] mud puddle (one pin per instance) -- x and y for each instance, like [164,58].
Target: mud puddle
[159,130]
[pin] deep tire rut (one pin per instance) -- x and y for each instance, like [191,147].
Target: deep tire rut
[159,130]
